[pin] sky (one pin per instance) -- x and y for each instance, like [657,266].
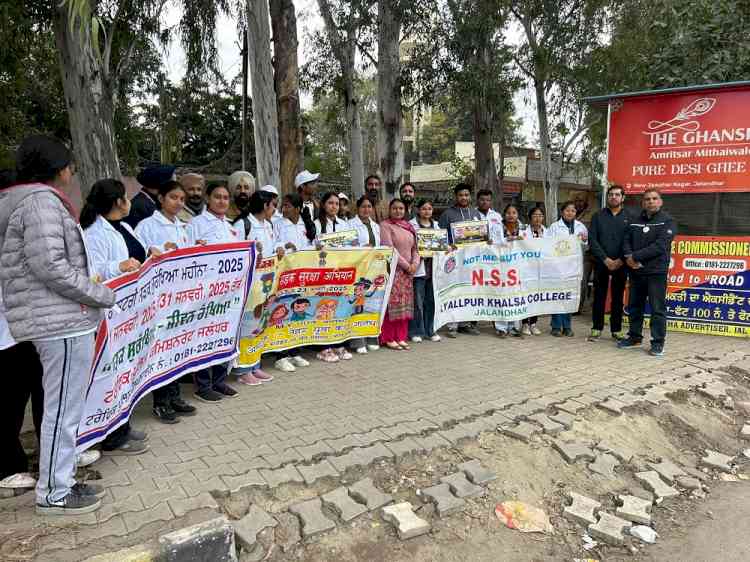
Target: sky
[229,44]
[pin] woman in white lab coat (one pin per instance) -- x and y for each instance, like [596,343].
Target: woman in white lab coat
[297,231]
[535,229]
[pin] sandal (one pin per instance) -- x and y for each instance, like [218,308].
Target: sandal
[403,345]
[328,356]
[393,345]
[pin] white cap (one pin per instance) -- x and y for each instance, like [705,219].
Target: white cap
[305,177]
[269,189]
[342,195]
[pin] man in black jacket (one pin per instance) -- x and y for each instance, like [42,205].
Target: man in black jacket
[606,236]
[647,247]
[143,204]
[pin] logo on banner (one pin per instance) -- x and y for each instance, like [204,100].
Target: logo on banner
[562,247]
[450,264]
[685,118]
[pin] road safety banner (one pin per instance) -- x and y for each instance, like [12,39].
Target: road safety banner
[179,313]
[508,282]
[315,298]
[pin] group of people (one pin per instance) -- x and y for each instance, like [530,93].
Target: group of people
[54,263]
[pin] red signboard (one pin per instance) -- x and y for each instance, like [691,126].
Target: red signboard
[686,142]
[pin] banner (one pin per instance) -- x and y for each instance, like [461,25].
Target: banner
[179,313]
[694,142]
[508,282]
[316,298]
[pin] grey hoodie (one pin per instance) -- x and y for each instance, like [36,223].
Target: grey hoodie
[46,283]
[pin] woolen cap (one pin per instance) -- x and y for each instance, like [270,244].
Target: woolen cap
[154,176]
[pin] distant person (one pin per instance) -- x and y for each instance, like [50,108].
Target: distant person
[195,196]
[647,247]
[241,185]
[306,184]
[512,229]
[373,191]
[493,218]
[606,238]
[406,194]
[144,203]
[345,212]
[535,229]
[51,299]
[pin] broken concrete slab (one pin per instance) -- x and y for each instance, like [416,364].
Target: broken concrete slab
[311,514]
[407,524]
[719,461]
[445,502]
[609,529]
[210,540]
[344,506]
[667,470]
[688,482]
[620,451]
[604,465]
[549,426]
[652,481]
[287,532]
[460,485]
[523,431]
[572,451]
[563,418]
[365,492]
[612,406]
[571,406]
[582,509]
[246,529]
[635,509]
[476,473]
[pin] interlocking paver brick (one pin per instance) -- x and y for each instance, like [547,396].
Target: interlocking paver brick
[635,509]
[276,477]
[136,520]
[341,502]
[572,451]
[247,480]
[667,470]
[374,452]
[571,406]
[431,442]
[745,431]
[181,507]
[246,529]
[604,465]
[609,529]
[653,482]
[406,446]
[316,471]
[459,433]
[364,491]
[523,431]
[477,473]
[719,461]
[407,524]
[109,510]
[549,426]
[620,451]
[581,509]
[309,452]
[612,405]
[563,418]
[312,517]
[460,485]
[445,502]
[344,462]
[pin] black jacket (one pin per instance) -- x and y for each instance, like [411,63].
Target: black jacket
[607,233]
[649,241]
[142,206]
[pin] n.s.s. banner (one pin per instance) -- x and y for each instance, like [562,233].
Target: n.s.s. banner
[508,281]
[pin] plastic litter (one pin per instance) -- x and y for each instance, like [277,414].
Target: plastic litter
[588,542]
[523,517]
[646,534]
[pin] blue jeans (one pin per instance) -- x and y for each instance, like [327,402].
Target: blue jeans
[421,324]
[561,321]
[211,377]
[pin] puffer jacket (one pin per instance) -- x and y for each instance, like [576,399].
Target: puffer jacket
[46,283]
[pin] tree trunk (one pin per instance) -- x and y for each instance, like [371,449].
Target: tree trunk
[485,171]
[354,127]
[265,120]
[286,80]
[550,176]
[389,140]
[90,102]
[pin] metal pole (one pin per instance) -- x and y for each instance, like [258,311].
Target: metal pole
[606,159]
[244,99]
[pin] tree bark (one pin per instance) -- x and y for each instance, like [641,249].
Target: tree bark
[485,171]
[389,140]
[265,119]
[550,174]
[90,101]
[286,81]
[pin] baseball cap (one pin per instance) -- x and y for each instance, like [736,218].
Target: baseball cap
[305,177]
[342,195]
[269,189]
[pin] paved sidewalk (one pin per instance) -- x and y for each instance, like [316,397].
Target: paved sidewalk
[328,417]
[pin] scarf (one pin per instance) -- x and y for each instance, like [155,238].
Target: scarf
[571,225]
[406,225]
[135,249]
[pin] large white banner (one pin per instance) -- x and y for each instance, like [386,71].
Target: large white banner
[508,282]
[179,313]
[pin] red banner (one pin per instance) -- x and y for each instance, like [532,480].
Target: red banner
[695,142]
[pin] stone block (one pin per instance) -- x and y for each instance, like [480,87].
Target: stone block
[311,515]
[407,524]
[609,529]
[635,509]
[460,486]
[582,509]
[523,431]
[571,451]
[604,465]
[246,529]
[571,406]
[620,451]
[210,541]
[278,476]
[365,492]
[476,473]
[445,502]
[667,470]
[316,471]
[688,482]
[563,418]
[652,481]
[549,426]
[716,460]
[612,405]
[344,506]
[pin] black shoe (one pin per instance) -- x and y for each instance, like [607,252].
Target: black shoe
[568,333]
[657,350]
[452,334]
[182,408]
[85,489]
[501,333]
[210,396]
[72,504]
[628,343]
[516,333]
[557,333]
[226,390]
[471,330]
[165,414]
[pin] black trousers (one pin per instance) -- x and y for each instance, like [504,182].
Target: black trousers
[602,277]
[164,395]
[23,382]
[651,288]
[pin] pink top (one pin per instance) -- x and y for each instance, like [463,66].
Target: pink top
[404,241]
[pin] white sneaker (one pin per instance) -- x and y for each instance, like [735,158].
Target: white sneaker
[362,350]
[371,347]
[526,331]
[416,339]
[536,331]
[299,361]
[18,481]
[435,337]
[343,353]
[88,458]
[285,365]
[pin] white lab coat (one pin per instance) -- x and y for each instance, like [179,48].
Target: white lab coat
[157,230]
[495,222]
[364,238]
[212,229]
[529,235]
[339,225]
[263,233]
[106,247]
[288,232]
[559,228]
